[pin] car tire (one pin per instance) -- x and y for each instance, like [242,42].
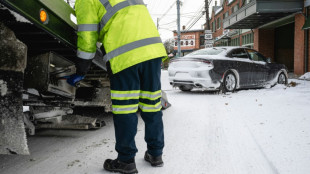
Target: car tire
[229,82]
[282,79]
[185,88]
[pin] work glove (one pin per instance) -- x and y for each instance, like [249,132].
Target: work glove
[82,66]
[74,79]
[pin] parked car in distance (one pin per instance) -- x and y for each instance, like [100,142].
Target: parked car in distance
[225,68]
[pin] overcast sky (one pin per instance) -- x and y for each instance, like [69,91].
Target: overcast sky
[166,11]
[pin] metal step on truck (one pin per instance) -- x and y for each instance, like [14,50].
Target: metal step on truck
[38,48]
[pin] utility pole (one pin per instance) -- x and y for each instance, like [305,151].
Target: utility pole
[179,28]
[207,14]
[157,23]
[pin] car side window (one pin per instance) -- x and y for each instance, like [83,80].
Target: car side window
[239,53]
[256,56]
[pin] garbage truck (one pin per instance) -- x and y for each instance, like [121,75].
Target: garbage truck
[37,49]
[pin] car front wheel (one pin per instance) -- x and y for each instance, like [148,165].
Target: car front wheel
[230,82]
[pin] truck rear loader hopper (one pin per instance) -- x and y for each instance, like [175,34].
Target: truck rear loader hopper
[37,48]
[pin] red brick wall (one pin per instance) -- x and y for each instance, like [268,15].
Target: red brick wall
[309,51]
[256,37]
[264,42]
[299,52]
[308,46]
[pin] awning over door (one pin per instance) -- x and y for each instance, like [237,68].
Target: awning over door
[260,12]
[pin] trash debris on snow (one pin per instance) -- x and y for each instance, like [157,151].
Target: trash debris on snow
[305,76]
[71,164]
[292,84]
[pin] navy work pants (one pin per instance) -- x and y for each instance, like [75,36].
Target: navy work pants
[137,87]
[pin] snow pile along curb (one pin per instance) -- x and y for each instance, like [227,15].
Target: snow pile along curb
[305,76]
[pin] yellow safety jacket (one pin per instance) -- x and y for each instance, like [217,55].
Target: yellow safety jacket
[124,27]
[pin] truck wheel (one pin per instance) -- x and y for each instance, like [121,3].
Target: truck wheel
[230,82]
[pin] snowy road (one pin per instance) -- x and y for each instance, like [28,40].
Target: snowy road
[249,132]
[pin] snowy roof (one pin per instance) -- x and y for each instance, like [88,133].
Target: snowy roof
[230,1]
[215,8]
[218,10]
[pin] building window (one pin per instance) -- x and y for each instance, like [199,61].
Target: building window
[225,15]
[221,43]
[230,1]
[248,39]
[202,40]
[235,42]
[212,26]
[235,8]
[218,23]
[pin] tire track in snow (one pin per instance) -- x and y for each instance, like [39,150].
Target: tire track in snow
[236,145]
[271,165]
[244,144]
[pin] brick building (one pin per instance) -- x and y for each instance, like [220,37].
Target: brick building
[191,40]
[276,28]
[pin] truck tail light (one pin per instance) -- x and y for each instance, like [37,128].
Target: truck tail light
[43,16]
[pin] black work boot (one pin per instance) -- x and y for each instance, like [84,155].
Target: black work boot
[119,166]
[154,161]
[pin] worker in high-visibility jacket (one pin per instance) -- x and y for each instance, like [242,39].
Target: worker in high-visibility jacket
[134,52]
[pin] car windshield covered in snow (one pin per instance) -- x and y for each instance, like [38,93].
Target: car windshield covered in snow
[207,51]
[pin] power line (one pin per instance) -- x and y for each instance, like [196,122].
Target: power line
[167,11]
[194,19]
[159,14]
[197,19]
[174,21]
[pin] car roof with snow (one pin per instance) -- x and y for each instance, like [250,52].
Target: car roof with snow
[213,52]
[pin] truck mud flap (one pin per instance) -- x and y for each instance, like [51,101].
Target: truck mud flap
[13,56]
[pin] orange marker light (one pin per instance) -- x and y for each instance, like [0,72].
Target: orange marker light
[43,16]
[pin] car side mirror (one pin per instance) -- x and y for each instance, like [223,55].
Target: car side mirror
[268,60]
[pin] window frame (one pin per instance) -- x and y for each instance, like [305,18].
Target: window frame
[218,22]
[234,9]
[258,54]
[230,54]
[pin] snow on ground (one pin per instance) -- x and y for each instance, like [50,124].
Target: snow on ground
[306,76]
[248,132]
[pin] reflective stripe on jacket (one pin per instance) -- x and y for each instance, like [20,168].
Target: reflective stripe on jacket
[125,28]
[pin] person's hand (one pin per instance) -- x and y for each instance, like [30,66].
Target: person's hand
[74,79]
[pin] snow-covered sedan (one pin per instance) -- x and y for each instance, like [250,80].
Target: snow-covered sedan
[225,68]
